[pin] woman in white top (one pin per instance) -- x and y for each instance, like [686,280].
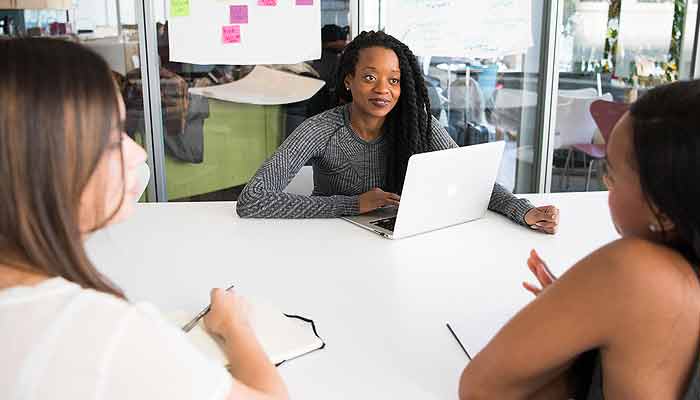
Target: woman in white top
[67,169]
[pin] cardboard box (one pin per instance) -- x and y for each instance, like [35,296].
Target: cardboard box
[42,4]
[31,4]
[59,4]
[8,4]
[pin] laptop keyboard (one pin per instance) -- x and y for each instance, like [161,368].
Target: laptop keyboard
[386,223]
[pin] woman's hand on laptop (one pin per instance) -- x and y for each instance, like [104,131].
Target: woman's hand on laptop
[541,272]
[544,219]
[377,198]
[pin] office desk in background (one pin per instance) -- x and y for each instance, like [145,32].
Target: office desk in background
[380,305]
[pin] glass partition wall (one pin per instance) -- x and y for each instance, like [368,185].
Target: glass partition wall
[483,67]
[108,27]
[525,72]
[211,145]
[613,51]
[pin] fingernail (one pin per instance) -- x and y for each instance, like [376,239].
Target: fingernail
[533,227]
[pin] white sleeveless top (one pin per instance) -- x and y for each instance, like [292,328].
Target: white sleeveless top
[60,341]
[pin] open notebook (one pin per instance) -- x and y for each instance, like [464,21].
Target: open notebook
[282,336]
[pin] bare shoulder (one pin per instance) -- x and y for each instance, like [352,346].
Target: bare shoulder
[639,257]
[644,272]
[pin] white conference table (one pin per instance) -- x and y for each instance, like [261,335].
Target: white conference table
[380,305]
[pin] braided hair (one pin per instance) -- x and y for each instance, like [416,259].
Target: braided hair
[408,124]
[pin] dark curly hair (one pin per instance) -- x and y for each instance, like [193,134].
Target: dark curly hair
[408,124]
[666,145]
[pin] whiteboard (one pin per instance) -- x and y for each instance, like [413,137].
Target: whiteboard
[274,31]
[462,28]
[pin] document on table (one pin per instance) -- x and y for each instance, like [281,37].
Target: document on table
[282,336]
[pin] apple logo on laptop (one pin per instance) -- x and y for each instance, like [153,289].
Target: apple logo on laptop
[451,190]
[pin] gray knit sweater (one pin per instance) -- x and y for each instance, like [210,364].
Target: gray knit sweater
[345,166]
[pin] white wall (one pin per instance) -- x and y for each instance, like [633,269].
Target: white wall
[93,13]
[532,58]
[90,13]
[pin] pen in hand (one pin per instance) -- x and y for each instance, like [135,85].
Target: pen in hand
[188,326]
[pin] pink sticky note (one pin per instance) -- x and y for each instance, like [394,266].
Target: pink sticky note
[305,2]
[267,2]
[239,14]
[231,34]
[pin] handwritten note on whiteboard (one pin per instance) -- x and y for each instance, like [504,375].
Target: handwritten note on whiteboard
[179,8]
[231,34]
[239,14]
[457,28]
[278,32]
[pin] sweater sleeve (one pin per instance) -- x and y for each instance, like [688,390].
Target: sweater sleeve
[502,200]
[264,196]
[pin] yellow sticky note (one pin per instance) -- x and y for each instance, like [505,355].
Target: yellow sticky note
[179,8]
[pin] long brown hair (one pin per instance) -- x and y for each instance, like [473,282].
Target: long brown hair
[58,107]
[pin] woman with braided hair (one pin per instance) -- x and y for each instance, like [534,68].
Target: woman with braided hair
[360,150]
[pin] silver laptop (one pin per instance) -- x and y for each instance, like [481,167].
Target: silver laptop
[441,189]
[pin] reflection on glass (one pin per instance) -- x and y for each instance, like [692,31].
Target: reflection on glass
[106,27]
[649,42]
[688,40]
[213,147]
[481,98]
